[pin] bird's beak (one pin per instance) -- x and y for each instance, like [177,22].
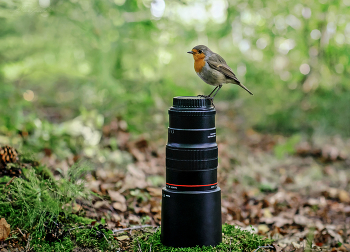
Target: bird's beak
[190,52]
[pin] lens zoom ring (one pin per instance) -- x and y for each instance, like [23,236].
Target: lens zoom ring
[191,154]
[191,165]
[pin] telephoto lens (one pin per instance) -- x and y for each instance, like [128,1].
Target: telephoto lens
[191,200]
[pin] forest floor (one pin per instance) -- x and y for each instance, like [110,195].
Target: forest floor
[290,189]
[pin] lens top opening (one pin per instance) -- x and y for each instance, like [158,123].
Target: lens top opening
[192,102]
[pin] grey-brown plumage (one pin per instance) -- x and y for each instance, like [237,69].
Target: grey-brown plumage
[213,69]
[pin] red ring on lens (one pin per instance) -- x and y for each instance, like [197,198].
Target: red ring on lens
[192,185]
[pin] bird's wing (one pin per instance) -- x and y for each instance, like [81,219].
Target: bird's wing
[218,63]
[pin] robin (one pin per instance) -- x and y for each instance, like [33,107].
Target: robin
[213,69]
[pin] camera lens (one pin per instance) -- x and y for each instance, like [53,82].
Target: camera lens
[191,152]
[191,200]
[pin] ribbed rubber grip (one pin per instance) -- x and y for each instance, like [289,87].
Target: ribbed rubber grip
[191,102]
[191,154]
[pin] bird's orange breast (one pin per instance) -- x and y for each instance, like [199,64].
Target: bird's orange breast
[199,63]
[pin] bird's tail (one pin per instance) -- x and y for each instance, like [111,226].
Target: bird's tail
[246,89]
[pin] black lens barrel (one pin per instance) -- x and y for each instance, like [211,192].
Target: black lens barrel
[191,152]
[191,207]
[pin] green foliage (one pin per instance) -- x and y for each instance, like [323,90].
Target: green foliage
[288,147]
[234,239]
[35,201]
[30,202]
[83,238]
[119,59]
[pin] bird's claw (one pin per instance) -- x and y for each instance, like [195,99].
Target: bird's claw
[209,98]
[206,97]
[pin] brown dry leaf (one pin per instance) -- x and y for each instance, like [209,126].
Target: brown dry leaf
[135,178]
[262,229]
[143,210]
[330,152]
[119,206]
[116,217]
[134,220]
[154,192]
[94,185]
[76,207]
[278,221]
[344,248]
[344,196]
[116,196]
[4,229]
[289,248]
[277,248]
[156,209]
[267,213]
[302,220]
[157,217]
[99,204]
[106,186]
[140,156]
[123,238]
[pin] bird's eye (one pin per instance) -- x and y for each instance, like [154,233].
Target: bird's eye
[200,51]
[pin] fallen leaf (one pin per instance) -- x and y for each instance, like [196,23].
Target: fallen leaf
[156,209]
[344,196]
[134,220]
[154,192]
[157,217]
[119,206]
[123,238]
[267,213]
[344,248]
[4,229]
[277,248]
[262,228]
[94,185]
[106,186]
[116,196]
[296,245]
[99,204]
[301,220]
[135,178]
[143,210]
[76,207]
[116,217]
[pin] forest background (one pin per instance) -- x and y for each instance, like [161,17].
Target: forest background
[82,79]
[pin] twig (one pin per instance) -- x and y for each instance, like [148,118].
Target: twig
[21,233]
[76,228]
[150,247]
[268,246]
[10,181]
[131,228]
[3,245]
[139,245]
[156,229]
[28,242]
[105,237]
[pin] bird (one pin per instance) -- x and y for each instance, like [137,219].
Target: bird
[213,69]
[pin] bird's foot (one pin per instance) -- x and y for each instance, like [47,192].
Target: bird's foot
[209,98]
[205,96]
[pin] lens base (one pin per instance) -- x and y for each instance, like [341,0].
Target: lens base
[191,218]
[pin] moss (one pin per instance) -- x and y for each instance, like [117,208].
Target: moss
[41,207]
[234,239]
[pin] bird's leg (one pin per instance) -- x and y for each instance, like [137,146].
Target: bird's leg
[216,91]
[213,91]
[208,96]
